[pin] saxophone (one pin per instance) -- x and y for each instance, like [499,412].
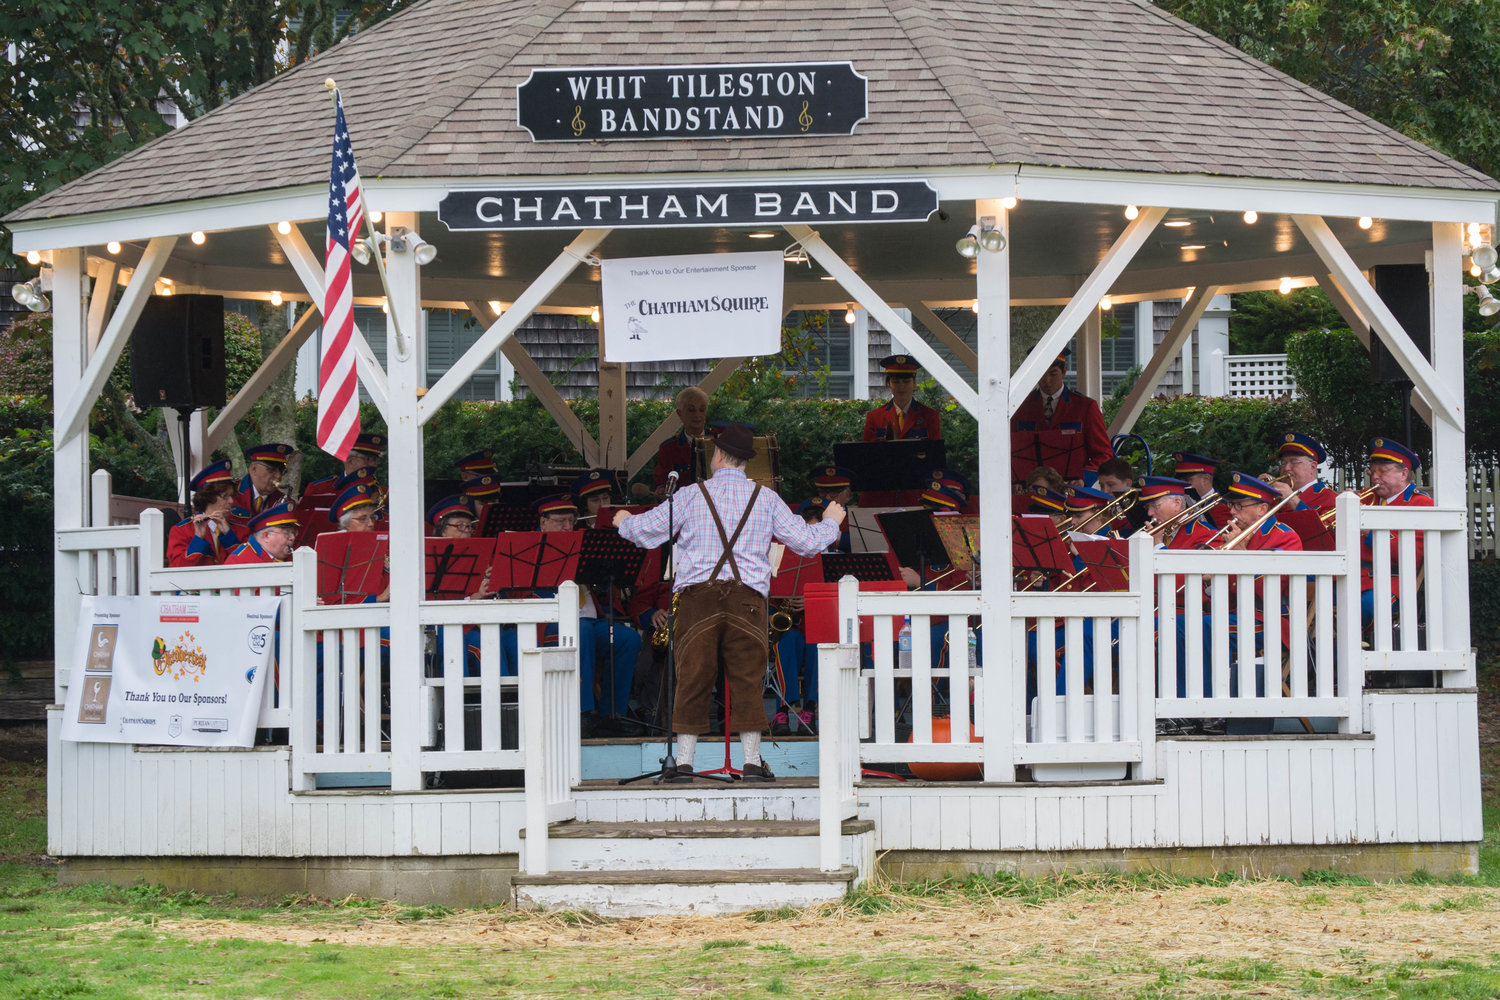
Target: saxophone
[661,637]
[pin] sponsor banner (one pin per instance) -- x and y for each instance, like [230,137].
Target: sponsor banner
[692,102]
[171,671]
[687,205]
[694,306]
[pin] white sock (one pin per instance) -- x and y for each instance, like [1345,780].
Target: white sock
[687,743]
[750,743]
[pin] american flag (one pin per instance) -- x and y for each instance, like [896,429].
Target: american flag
[338,396]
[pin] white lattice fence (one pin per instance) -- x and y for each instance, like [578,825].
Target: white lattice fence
[1257,376]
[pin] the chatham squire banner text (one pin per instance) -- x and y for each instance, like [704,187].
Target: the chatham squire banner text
[718,205]
[662,102]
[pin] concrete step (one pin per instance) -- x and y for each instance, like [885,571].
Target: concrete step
[700,845]
[656,892]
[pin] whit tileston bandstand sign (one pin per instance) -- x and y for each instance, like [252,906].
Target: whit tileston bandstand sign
[699,102]
[688,205]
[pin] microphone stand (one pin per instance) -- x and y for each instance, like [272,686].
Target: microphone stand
[669,679]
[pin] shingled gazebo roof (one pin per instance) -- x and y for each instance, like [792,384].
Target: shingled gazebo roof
[1110,85]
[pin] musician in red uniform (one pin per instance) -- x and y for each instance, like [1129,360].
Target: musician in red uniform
[675,454]
[592,490]
[1165,499]
[1198,472]
[476,464]
[1299,458]
[261,487]
[273,532]
[365,454]
[1392,468]
[1052,406]
[1250,501]
[903,418]
[206,538]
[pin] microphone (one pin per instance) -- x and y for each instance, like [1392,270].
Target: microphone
[671,482]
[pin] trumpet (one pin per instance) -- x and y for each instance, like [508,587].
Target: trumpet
[1183,516]
[1327,516]
[1240,538]
[1130,499]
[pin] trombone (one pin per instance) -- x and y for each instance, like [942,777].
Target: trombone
[1184,516]
[1326,516]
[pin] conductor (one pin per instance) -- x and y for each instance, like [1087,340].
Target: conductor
[724,531]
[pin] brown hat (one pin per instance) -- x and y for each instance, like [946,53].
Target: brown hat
[737,442]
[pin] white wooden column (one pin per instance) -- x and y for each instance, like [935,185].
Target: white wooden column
[404,374]
[993,292]
[1449,476]
[1090,355]
[859,356]
[70,458]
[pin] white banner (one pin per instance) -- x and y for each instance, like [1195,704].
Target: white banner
[172,671]
[709,305]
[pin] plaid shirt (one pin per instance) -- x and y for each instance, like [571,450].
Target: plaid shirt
[698,544]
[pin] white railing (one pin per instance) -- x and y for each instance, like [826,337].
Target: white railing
[549,683]
[838,740]
[1260,376]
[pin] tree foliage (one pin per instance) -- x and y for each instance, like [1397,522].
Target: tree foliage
[90,80]
[1427,68]
[1262,321]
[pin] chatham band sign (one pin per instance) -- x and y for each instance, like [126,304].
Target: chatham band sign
[697,102]
[717,205]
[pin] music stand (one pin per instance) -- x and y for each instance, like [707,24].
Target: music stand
[863,566]
[1036,547]
[1107,563]
[904,464]
[312,522]
[500,517]
[1316,536]
[456,565]
[864,528]
[532,560]
[1062,450]
[791,577]
[960,537]
[603,558]
[913,539]
[351,565]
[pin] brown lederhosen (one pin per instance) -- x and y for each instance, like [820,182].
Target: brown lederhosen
[721,621]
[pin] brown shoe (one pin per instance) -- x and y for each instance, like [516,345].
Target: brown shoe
[679,774]
[757,772]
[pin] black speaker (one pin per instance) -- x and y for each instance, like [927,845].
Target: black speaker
[177,352]
[1403,289]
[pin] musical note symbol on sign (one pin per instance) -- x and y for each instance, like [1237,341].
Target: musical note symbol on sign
[804,119]
[578,123]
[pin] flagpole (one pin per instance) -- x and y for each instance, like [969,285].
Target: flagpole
[385,284]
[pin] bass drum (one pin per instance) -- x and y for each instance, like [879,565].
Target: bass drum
[764,468]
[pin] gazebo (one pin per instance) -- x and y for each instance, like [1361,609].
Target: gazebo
[1116,151]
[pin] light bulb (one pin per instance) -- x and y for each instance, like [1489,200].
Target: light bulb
[1251,217]
[992,240]
[849,316]
[1285,288]
[284,228]
[1473,230]
[385,307]
[1009,201]
[198,238]
[1131,211]
[1474,270]
[594,315]
[968,243]
[1365,222]
[376,216]
[975,306]
[1106,303]
[166,289]
[275,298]
[32,257]
[113,246]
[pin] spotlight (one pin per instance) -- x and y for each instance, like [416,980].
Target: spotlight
[968,244]
[1490,275]
[1285,288]
[991,240]
[1251,217]
[30,295]
[1488,304]
[360,251]
[284,228]
[1365,222]
[1131,212]
[275,298]
[113,246]
[849,316]
[1484,256]
[404,239]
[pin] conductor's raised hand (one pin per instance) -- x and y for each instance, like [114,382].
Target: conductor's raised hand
[834,512]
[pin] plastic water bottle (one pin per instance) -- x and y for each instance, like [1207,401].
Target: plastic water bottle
[903,644]
[973,649]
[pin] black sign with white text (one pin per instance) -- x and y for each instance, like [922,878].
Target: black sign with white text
[688,205]
[698,102]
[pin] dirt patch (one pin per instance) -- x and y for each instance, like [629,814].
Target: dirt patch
[1290,925]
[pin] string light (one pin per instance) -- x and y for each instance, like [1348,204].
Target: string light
[849,316]
[284,228]
[1106,303]
[1009,201]
[1285,288]
[975,307]
[113,246]
[32,257]
[1365,222]
[376,216]
[594,315]
[275,298]
[1131,212]
[198,238]
[1251,217]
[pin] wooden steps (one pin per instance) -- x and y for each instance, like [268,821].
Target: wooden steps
[624,869]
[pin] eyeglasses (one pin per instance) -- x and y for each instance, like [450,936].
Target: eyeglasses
[362,518]
[462,525]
